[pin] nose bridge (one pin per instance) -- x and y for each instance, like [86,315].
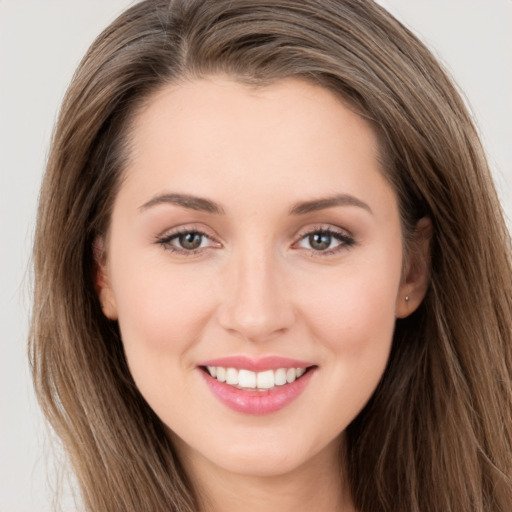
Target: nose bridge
[256,305]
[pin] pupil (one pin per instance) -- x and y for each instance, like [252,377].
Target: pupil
[320,241]
[190,240]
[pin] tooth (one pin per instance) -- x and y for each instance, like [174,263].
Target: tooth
[246,379]
[280,377]
[291,375]
[232,376]
[221,374]
[252,380]
[265,380]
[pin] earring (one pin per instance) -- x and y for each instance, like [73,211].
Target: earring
[407,298]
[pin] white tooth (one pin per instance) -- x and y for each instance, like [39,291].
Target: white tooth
[280,377]
[221,374]
[300,372]
[246,379]
[212,370]
[265,380]
[291,375]
[232,376]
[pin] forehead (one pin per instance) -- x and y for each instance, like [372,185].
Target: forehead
[218,99]
[290,136]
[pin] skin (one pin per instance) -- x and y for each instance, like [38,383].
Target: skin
[257,286]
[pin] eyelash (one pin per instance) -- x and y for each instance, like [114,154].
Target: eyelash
[165,241]
[346,241]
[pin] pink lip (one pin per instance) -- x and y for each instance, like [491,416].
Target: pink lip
[256,365]
[257,402]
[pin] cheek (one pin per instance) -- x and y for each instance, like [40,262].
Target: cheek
[352,320]
[161,317]
[356,308]
[161,313]
[353,312]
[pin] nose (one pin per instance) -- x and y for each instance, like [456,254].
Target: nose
[256,303]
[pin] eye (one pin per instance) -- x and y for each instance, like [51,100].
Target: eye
[186,241]
[189,241]
[325,240]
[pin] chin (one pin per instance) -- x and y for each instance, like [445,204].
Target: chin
[259,455]
[258,463]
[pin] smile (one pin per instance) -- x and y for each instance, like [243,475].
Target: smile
[257,387]
[249,380]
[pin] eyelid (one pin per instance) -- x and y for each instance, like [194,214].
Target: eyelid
[346,238]
[315,228]
[164,239]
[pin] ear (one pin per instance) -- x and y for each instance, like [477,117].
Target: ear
[102,282]
[416,274]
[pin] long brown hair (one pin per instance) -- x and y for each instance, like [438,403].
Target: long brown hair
[437,434]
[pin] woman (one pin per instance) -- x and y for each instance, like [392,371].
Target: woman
[271,269]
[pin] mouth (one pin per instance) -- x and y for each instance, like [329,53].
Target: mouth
[248,380]
[257,387]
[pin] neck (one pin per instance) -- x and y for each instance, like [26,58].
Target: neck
[316,485]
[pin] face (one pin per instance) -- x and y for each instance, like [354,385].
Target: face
[254,239]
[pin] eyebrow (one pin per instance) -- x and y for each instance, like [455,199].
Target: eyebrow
[303,208]
[185,201]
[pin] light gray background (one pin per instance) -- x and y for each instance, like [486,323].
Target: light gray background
[41,42]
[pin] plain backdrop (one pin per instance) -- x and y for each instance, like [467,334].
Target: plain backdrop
[41,43]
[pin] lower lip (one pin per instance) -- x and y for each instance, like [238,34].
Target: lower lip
[257,402]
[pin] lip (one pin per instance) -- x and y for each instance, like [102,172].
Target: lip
[256,364]
[257,402]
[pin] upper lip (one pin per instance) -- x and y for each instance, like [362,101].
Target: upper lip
[258,364]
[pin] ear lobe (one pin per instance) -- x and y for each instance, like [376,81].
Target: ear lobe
[416,276]
[102,282]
